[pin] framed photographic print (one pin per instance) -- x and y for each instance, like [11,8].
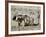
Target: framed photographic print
[24,18]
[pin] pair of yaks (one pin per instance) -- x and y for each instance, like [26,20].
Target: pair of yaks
[24,20]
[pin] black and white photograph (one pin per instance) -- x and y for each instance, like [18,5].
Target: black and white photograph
[25,18]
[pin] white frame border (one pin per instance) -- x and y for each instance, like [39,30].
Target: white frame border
[23,32]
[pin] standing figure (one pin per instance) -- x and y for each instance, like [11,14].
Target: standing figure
[32,19]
